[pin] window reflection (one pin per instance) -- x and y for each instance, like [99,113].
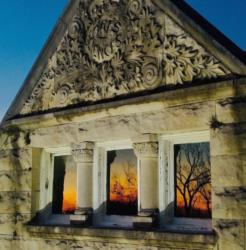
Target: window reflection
[64,185]
[193,180]
[122,182]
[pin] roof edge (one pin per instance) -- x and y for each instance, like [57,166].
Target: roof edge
[189,19]
[206,34]
[46,52]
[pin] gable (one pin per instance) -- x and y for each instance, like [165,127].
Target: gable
[116,48]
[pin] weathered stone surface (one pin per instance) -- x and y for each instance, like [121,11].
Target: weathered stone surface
[228,140]
[181,118]
[193,117]
[231,234]
[20,224]
[97,130]
[227,171]
[243,157]
[5,243]
[7,224]
[23,180]
[15,202]
[99,244]
[7,181]
[98,60]
[38,244]
[123,239]
[14,138]
[5,161]
[229,202]
[231,110]
[15,180]
[16,159]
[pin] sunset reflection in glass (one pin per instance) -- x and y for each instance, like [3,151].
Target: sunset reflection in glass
[193,180]
[122,182]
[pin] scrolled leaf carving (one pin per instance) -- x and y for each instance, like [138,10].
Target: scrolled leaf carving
[117,47]
[152,74]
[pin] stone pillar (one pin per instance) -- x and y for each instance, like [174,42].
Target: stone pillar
[228,184]
[147,153]
[228,170]
[83,156]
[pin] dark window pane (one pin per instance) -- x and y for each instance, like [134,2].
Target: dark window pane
[122,182]
[192,180]
[64,185]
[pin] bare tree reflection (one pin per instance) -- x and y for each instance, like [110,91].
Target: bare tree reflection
[193,179]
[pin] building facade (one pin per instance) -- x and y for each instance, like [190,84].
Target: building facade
[128,133]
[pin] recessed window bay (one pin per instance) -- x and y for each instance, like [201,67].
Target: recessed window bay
[64,185]
[193,180]
[122,191]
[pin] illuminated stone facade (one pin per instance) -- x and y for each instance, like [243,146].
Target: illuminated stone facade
[130,72]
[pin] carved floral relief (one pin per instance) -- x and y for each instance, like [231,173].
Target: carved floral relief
[117,47]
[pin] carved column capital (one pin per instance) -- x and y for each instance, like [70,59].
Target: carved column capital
[83,152]
[146,149]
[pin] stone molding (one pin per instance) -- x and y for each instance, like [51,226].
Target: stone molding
[83,152]
[146,149]
[113,48]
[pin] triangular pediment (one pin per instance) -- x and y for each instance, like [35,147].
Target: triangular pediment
[119,47]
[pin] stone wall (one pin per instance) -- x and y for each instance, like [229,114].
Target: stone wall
[228,142]
[219,109]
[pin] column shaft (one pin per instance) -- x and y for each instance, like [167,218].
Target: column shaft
[147,153]
[83,156]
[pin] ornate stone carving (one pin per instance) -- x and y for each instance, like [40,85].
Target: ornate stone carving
[83,152]
[146,149]
[117,47]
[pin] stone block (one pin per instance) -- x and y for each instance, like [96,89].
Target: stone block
[20,226]
[6,163]
[6,243]
[227,171]
[193,116]
[39,244]
[15,180]
[230,234]
[14,138]
[188,117]
[7,181]
[229,202]
[7,224]
[17,159]
[22,159]
[15,202]
[228,140]
[231,110]
[24,180]
[144,222]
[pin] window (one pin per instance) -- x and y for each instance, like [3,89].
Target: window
[122,190]
[64,185]
[115,182]
[192,180]
[58,186]
[185,181]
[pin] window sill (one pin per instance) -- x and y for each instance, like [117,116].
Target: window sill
[140,236]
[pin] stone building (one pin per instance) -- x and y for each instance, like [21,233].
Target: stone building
[128,133]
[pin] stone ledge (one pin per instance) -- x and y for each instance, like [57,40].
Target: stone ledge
[173,97]
[122,235]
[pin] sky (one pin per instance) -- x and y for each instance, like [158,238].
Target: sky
[26,24]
